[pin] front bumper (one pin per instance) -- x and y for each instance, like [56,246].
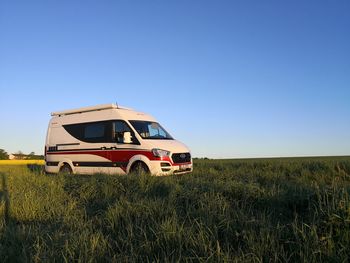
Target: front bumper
[166,168]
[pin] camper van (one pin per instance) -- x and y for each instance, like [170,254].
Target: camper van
[113,140]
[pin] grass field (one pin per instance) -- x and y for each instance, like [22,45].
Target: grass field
[271,210]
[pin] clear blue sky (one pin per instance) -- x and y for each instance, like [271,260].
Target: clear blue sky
[228,78]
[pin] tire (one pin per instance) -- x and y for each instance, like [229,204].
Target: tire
[65,169]
[140,168]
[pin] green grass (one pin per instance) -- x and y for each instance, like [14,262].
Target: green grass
[262,210]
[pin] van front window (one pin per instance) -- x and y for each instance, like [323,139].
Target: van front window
[151,130]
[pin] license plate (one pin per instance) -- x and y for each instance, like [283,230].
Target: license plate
[184,166]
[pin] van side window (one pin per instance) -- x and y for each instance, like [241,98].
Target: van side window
[74,130]
[95,130]
[120,127]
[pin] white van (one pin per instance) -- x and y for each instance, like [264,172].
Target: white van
[113,140]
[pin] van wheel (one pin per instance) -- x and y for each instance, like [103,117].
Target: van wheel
[140,168]
[65,169]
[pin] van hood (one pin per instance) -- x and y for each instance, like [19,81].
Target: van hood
[173,146]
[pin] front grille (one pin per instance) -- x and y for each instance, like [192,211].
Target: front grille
[181,157]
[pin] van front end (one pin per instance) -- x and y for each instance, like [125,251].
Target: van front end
[173,163]
[168,156]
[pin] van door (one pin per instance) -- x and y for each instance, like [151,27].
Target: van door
[126,144]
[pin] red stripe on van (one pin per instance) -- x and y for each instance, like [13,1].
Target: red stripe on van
[119,155]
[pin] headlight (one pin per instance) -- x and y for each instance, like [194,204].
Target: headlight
[160,153]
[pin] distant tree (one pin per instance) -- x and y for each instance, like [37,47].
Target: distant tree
[20,155]
[39,157]
[3,155]
[33,156]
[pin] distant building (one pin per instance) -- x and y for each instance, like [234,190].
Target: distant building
[22,156]
[18,156]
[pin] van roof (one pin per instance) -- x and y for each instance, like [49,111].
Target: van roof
[89,109]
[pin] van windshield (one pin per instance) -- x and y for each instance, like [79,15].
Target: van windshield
[151,130]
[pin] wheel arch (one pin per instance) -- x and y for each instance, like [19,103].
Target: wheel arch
[66,161]
[138,158]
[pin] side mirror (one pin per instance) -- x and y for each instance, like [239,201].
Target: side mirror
[127,137]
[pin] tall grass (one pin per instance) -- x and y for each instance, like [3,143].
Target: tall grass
[282,210]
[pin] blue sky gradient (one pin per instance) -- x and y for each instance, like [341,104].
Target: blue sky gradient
[228,78]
